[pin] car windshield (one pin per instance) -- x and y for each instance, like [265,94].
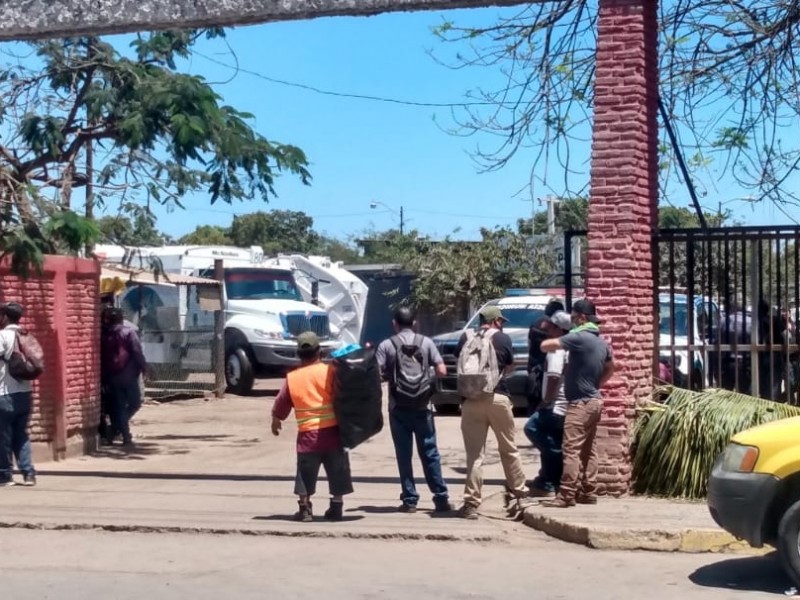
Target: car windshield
[681,319]
[259,284]
[519,316]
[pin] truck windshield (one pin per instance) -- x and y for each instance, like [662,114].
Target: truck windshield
[258,284]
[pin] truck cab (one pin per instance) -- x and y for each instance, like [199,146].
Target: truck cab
[754,489]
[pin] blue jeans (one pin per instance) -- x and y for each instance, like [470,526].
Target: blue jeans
[125,401]
[405,425]
[545,430]
[15,412]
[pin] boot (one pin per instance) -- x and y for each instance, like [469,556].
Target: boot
[334,512]
[304,513]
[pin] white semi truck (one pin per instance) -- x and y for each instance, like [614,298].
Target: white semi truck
[267,302]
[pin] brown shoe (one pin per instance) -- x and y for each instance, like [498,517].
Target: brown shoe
[557,502]
[586,499]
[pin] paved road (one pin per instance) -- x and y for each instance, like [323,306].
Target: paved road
[118,566]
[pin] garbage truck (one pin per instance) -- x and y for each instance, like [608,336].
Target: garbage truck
[267,302]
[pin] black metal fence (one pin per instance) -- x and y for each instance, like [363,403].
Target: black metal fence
[727,303]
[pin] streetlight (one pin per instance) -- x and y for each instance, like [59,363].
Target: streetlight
[375,204]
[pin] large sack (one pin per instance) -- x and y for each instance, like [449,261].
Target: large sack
[357,397]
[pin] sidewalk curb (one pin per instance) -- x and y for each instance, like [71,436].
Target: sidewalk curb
[606,538]
[308,533]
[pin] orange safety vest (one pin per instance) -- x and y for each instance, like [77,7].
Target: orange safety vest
[312,398]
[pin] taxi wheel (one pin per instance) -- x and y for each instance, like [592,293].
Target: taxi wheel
[789,542]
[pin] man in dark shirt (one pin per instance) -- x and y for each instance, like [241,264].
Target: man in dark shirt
[122,363]
[590,365]
[539,331]
[480,413]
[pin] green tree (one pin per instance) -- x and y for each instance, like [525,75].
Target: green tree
[336,250]
[163,134]
[275,231]
[207,235]
[138,230]
[454,275]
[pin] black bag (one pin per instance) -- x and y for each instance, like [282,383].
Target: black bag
[412,381]
[357,397]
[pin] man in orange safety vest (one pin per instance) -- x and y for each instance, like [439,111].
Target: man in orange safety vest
[308,390]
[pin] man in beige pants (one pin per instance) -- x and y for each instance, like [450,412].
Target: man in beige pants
[487,410]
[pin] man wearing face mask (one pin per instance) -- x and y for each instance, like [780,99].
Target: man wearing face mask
[590,366]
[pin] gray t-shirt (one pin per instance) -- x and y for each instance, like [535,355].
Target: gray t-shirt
[588,355]
[386,355]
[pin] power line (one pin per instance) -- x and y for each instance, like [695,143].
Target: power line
[370,97]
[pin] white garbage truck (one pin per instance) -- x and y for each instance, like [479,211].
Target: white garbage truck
[267,302]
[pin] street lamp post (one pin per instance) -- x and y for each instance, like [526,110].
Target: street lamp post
[375,204]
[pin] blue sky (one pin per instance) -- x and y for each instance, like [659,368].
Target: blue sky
[363,151]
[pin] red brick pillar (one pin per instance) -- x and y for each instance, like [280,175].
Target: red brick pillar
[622,217]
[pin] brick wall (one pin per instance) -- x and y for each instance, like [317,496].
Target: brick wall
[62,307]
[623,214]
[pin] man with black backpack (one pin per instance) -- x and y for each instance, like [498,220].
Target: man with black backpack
[407,361]
[21,361]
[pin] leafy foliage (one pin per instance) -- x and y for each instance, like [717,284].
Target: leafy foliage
[159,134]
[677,443]
[207,235]
[275,231]
[453,275]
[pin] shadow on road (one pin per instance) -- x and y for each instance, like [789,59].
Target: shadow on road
[228,477]
[747,574]
[291,518]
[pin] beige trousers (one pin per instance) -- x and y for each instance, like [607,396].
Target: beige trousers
[477,416]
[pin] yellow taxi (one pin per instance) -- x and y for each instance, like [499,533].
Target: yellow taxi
[754,489]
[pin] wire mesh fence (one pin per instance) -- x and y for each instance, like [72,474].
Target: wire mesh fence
[180,362]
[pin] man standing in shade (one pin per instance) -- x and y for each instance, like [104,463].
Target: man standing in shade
[590,366]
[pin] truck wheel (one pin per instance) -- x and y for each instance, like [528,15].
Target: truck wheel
[789,542]
[239,373]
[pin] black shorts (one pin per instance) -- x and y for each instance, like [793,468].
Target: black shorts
[337,469]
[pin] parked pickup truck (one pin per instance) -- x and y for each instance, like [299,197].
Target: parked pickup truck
[522,308]
[754,489]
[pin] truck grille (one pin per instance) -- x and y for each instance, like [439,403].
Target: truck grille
[297,323]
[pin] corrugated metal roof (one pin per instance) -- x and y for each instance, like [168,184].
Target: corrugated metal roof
[148,277]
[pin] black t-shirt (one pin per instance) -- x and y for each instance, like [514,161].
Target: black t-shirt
[505,357]
[536,335]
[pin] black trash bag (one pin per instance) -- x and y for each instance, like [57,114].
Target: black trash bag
[357,397]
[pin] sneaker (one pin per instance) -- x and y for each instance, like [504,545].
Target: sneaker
[582,499]
[557,502]
[468,512]
[8,483]
[443,507]
[406,507]
[304,513]
[29,479]
[335,511]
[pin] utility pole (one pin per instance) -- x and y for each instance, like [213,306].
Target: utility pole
[402,221]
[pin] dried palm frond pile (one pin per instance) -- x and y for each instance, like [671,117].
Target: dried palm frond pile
[677,442]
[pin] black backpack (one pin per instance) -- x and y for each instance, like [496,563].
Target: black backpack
[412,381]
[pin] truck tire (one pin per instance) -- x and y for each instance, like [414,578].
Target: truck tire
[789,542]
[239,374]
